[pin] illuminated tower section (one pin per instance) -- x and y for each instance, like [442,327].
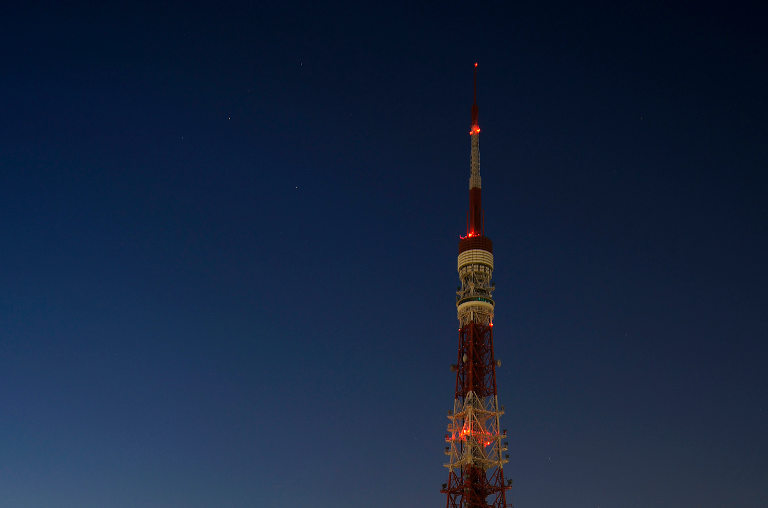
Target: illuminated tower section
[475,446]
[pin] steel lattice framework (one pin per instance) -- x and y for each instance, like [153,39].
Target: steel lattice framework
[475,441]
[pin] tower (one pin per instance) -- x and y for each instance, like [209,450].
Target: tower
[475,446]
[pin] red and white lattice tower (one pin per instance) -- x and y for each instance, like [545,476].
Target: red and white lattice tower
[475,446]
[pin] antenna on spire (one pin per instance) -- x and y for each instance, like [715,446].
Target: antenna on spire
[475,110]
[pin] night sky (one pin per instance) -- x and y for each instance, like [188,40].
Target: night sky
[229,239]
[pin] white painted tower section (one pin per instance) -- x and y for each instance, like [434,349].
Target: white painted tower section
[474,176]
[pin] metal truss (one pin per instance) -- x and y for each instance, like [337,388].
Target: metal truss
[475,446]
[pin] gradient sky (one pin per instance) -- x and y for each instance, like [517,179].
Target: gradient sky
[229,236]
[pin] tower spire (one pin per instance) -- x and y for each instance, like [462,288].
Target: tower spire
[475,218]
[475,110]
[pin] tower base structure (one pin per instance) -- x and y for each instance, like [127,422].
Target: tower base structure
[475,445]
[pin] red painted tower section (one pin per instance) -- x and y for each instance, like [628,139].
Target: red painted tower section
[475,441]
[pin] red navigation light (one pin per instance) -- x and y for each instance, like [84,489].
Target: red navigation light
[475,64]
[483,437]
[475,130]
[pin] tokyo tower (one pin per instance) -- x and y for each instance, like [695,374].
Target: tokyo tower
[475,446]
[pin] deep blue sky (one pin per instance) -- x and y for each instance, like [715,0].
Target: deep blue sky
[227,261]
